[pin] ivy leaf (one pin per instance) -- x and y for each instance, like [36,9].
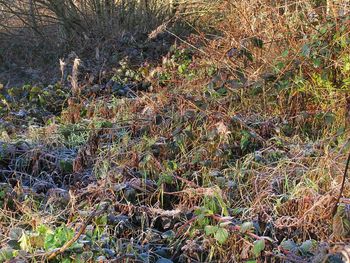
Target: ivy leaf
[221,235]
[259,246]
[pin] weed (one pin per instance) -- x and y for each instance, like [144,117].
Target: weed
[230,147]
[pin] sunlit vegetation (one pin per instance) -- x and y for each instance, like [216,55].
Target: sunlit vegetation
[174,131]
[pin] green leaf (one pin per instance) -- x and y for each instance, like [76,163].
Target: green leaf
[323,30]
[210,230]
[279,66]
[168,234]
[285,53]
[222,91]
[225,224]
[35,90]
[58,238]
[16,232]
[245,52]
[317,62]
[306,50]
[237,211]
[105,124]
[66,165]
[101,221]
[245,140]
[257,42]
[221,235]
[164,260]
[208,212]
[172,165]
[329,118]
[289,245]
[306,247]
[259,246]
[246,227]
[43,230]
[6,254]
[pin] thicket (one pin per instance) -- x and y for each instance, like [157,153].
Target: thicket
[228,145]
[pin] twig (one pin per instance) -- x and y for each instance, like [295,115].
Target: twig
[181,228]
[186,42]
[342,186]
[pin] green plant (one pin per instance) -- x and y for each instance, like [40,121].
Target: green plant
[74,135]
[2,197]
[48,239]
[305,248]
[220,233]
[258,247]
[7,254]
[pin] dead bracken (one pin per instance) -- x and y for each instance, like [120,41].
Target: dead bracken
[213,132]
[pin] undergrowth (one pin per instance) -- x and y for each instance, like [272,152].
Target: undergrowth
[229,149]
